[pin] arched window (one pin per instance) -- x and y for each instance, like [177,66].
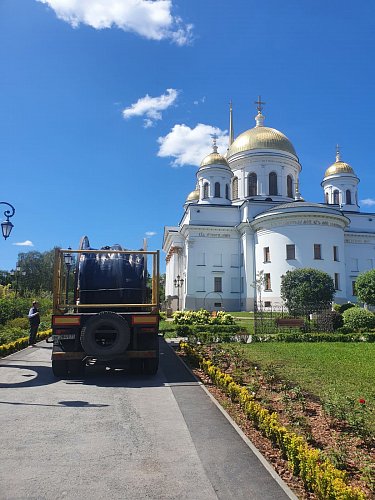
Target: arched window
[252,184]
[235,188]
[227,191]
[289,186]
[348,197]
[336,200]
[272,179]
[217,189]
[205,190]
[327,198]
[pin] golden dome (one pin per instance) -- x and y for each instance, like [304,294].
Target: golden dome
[261,137]
[193,196]
[214,158]
[339,167]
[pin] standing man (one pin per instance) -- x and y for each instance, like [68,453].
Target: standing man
[34,320]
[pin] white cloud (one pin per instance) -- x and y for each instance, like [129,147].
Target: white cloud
[26,243]
[150,233]
[150,19]
[151,107]
[188,146]
[368,201]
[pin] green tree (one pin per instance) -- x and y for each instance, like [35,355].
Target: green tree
[307,290]
[365,287]
[38,268]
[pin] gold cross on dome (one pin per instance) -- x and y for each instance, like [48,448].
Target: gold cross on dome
[259,103]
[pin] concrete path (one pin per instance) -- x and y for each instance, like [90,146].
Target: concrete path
[117,436]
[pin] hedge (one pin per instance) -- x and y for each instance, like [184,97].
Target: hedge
[317,473]
[21,343]
[314,337]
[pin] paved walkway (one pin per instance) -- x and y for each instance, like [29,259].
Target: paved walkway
[117,436]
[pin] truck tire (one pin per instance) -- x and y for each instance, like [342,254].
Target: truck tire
[105,335]
[60,368]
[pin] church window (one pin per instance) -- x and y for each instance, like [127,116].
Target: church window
[227,192]
[336,253]
[336,200]
[272,179]
[354,265]
[218,285]
[267,281]
[217,189]
[235,188]
[252,183]
[337,281]
[370,263]
[234,260]
[217,260]
[348,197]
[289,186]
[235,285]
[317,251]
[290,252]
[205,190]
[266,253]
[201,259]
[201,284]
[327,198]
[354,292]
[242,284]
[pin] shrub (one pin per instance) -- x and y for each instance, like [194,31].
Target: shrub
[345,307]
[202,317]
[358,319]
[329,321]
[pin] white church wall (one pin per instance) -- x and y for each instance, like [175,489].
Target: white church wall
[359,257]
[302,240]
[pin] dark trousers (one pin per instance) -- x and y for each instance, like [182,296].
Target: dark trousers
[33,332]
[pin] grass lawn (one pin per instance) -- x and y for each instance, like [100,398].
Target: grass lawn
[346,370]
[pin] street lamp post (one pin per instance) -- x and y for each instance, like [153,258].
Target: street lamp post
[68,260]
[6,225]
[17,273]
[178,282]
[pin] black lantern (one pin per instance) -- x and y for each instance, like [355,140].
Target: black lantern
[6,225]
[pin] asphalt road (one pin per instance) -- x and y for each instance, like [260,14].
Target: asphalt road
[118,436]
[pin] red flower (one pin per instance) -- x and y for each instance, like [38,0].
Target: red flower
[362,401]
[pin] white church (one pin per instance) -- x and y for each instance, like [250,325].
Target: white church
[246,224]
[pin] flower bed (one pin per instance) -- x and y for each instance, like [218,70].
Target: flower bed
[317,473]
[21,343]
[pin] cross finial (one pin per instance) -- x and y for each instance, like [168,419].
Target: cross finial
[259,104]
[214,139]
[338,153]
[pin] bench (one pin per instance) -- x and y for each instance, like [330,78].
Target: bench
[290,322]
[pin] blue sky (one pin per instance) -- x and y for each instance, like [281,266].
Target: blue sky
[106,106]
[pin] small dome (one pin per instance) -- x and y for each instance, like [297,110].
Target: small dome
[193,196]
[261,137]
[339,167]
[214,158]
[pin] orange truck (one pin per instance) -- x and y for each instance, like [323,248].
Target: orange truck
[105,309]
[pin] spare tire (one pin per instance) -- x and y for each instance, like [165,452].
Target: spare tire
[105,335]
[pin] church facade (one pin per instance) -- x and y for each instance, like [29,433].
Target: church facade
[246,224]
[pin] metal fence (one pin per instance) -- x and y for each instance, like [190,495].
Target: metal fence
[275,318]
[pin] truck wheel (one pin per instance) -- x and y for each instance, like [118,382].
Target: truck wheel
[150,366]
[105,335]
[60,368]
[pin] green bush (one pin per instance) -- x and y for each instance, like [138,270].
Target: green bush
[202,317]
[19,323]
[329,321]
[358,319]
[345,307]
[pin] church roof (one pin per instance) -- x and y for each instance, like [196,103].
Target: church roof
[261,137]
[339,167]
[193,196]
[301,206]
[214,158]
